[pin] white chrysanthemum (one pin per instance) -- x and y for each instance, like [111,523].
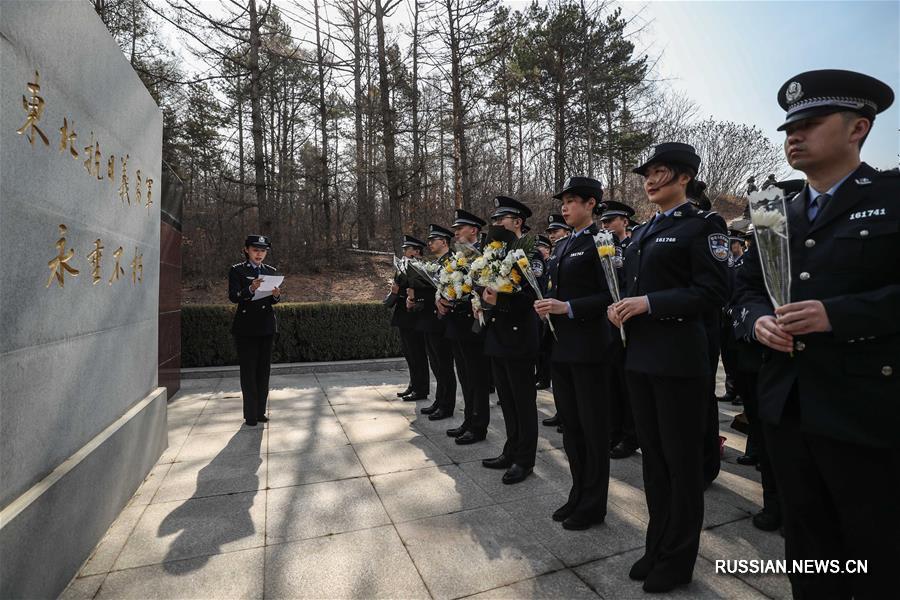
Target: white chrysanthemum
[767,219]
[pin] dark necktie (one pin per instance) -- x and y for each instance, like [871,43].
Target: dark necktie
[816,206]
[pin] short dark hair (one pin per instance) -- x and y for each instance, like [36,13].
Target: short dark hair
[850,115]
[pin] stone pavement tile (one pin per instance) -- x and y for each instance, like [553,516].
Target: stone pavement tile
[323,464]
[383,428]
[308,511]
[176,442]
[745,471]
[300,381]
[193,400]
[473,551]
[400,455]
[230,575]
[216,422]
[225,404]
[180,421]
[106,552]
[363,410]
[83,588]
[561,584]
[145,492]
[224,443]
[352,394]
[735,487]
[361,564]
[630,496]
[202,383]
[429,492]
[408,410]
[318,432]
[741,540]
[228,387]
[223,475]
[304,399]
[609,577]
[541,482]
[300,418]
[197,527]
[434,429]
[620,531]
[489,448]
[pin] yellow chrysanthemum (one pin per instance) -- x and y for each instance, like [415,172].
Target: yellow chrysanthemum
[449,268]
[462,262]
[496,245]
[606,250]
[516,278]
[523,262]
[506,288]
[466,288]
[451,292]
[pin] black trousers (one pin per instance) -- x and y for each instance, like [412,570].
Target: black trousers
[841,502]
[621,417]
[255,357]
[581,392]
[711,454]
[413,344]
[746,386]
[670,414]
[514,379]
[440,357]
[474,372]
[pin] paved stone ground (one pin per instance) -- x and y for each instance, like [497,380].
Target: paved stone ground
[348,493]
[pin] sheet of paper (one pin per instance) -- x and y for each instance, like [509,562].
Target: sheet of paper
[269,283]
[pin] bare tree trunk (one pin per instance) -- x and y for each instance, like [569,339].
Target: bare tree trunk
[507,131]
[264,217]
[521,149]
[323,124]
[611,154]
[388,134]
[416,140]
[362,198]
[461,154]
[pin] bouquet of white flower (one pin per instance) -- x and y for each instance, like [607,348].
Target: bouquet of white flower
[768,214]
[606,249]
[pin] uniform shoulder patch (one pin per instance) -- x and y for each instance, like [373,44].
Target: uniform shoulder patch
[718,246]
[537,267]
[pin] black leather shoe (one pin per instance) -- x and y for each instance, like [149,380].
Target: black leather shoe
[658,582]
[747,460]
[428,409]
[516,474]
[562,513]
[456,431]
[551,421]
[440,414]
[622,450]
[262,419]
[250,423]
[576,522]
[541,385]
[470,437]
[766,520]
[414,397]
[641,568]
[501,462]
[405,392]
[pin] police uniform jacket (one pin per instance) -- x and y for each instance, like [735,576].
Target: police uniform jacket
[847,380]
[400,317]
[578,279]
[615,338]
[252,317]
[679,263]
[427,318]
[513,328]
[746,352]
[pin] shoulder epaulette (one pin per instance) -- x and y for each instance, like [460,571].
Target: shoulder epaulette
[708,214]
[895,172]
[236,265]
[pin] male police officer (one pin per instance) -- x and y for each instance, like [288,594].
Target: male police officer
[440,351]
[411,341]
[830,385]
[468,347]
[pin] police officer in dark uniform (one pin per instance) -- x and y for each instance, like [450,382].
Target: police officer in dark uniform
[467,339]
[577,304]
[412,341]
[616,217]
[545,247]
[254,326]
[557,229]
[512,339]
[675,270]
[736,241]
[440,350]
[830,381]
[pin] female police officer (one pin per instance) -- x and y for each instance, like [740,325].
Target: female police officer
[675,273]
[578,301]
[254,326]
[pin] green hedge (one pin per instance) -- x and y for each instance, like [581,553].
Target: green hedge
[306,333]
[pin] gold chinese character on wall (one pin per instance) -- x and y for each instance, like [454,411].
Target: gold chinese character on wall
[137,267]
[123,187]
[59,264]
[67,138]
[111,168]
[94,258]
[138,194]
[92,162]
[34,109]
[149,192]
[118,271]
